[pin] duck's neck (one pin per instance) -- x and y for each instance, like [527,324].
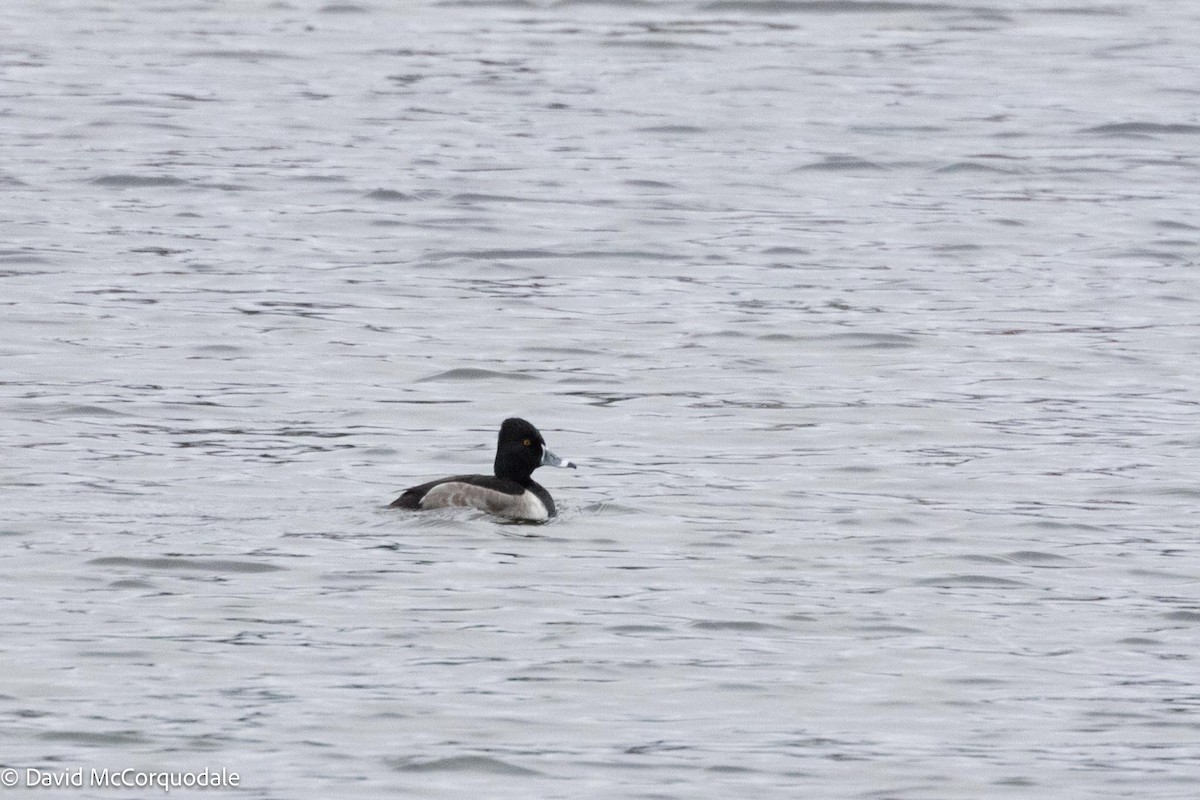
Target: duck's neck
[507,472]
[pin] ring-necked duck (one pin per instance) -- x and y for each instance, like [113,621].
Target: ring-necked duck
[511,492]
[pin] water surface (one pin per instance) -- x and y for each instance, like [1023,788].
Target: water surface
[872,326]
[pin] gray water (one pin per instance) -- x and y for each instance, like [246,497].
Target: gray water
[873,327]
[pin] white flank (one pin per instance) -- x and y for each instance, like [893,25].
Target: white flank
[453,493]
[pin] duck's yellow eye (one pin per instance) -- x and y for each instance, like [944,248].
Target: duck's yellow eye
[527,442]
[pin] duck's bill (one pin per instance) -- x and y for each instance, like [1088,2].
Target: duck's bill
[551,460]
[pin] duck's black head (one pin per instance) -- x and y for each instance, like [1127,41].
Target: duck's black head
[520,450]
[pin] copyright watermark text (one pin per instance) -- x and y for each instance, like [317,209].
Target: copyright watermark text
[79,778]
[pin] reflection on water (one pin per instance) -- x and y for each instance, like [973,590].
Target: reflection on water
[871,326]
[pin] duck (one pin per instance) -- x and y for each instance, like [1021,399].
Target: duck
[511,492]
